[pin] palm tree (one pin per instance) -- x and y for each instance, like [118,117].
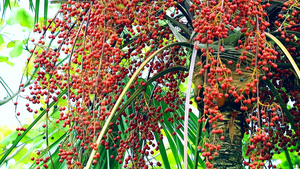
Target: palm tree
[114,85]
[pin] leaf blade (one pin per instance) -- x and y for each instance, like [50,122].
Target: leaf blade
[17,49]
[36,13]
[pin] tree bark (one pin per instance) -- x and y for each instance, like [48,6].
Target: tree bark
[233,124]
[230,154]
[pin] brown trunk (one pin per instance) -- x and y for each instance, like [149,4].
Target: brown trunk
[233,124]
[230,155]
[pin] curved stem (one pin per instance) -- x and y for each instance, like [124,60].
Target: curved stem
[143,88]
[182,10]
[187,104]
[256,72]
[286,52]
[180,25]
[108,120]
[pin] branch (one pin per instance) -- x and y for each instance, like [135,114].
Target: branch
[113,112]
[187,104]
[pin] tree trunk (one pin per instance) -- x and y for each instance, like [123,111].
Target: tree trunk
[233,124]
[230,154]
